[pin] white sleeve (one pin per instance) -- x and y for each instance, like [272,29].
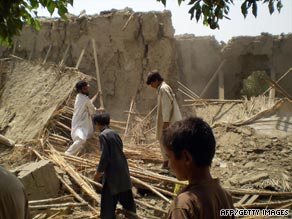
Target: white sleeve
[91,108]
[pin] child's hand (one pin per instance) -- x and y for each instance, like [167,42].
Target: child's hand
[97,176]
[98,93]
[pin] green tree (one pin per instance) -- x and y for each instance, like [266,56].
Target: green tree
[254,84]
[212,11]
[15,13]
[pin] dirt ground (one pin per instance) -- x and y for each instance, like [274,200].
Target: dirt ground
[247,157]
[31,95]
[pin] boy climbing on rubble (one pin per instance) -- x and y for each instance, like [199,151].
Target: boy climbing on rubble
[190,147]
[113,168]
[82,127]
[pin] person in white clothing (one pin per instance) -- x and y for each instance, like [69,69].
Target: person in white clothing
[84,110]
[168,110]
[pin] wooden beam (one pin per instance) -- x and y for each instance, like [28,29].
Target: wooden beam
[243,199]
[221,85]
[252,199]
[97,73]
[65,55]
[47,55]
[129,115]
[284,75]
[272,92]
[212,79]
[6,141]
[278,88]
[80,58]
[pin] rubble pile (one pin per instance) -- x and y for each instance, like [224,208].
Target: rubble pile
[253,155]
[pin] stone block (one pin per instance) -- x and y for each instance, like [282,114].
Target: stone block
[40,180]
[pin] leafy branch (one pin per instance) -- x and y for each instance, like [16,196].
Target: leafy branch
[212,11]
[16,13]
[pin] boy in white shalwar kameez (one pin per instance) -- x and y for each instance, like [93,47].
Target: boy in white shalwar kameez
[82,126]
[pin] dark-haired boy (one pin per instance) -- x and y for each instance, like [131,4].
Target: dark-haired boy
[167,107]
[81,127]
[190,148]
[113,166]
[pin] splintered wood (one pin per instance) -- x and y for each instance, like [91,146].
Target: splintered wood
[78,171]
[81,194]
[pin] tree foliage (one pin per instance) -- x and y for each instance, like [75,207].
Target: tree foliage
[15,13]
[254,84]
[212,11]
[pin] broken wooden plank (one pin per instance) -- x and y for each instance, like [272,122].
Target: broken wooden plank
[65,55]
[128,119]
[212,78]
[260,114]
[97,74]
[50,200]
[6,141]
[47,55]
[278,88]
[252,199]
[221,85]
[189,90]
[75,194]
[17,57]
[287,72]
[58,205]
[80,58]
[136,180]
[60,161]
[127,22]
[243,199]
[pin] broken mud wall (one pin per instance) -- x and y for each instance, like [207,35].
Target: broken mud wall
[128,45]
[28,97]
[268,53]
[198,59]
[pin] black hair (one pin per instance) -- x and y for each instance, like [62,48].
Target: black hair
[194,135]
[80,84]
[153,76]
[101,119]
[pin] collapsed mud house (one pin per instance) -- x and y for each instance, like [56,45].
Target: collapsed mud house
[37,79]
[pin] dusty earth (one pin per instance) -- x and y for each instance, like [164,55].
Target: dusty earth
[31,94]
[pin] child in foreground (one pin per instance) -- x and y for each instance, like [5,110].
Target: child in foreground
[190,147]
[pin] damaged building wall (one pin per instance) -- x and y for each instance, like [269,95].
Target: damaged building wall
[29,95]
[128,45]
[244,55]
[198,59]
[282,61]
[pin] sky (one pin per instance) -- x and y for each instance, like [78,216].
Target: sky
[274,24]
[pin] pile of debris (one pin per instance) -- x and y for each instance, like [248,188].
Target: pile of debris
[255,168]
